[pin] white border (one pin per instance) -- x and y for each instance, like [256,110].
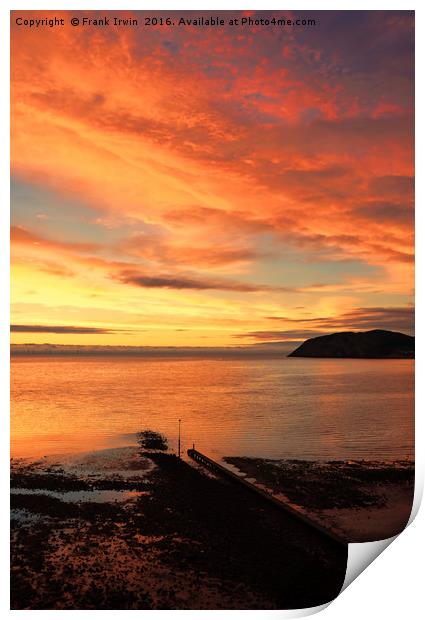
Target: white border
[392,587]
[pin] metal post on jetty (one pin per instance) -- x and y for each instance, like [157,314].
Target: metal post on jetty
[179,437]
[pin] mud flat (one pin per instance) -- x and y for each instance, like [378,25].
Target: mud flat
[169,537]
[357,500]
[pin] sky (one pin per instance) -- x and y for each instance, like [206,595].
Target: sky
[196,186]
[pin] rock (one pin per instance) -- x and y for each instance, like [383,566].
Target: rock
[377,343]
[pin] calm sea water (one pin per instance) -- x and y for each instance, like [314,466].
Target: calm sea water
[287,408]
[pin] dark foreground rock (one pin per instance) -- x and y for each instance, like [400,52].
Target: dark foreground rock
[360,501]
[377,343]
[184,541]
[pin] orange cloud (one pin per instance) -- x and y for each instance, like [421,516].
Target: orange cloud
[244,155]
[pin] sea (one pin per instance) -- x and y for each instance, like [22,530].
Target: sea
[288,408]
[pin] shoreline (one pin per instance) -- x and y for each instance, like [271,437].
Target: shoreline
[184,540]
[359,501]
[181,538]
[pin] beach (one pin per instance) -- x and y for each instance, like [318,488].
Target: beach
[122,529]
[359,501]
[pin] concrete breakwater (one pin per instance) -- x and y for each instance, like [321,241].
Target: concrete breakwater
[218,469]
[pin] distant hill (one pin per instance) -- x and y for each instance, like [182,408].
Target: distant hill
[266,350]
[377,343]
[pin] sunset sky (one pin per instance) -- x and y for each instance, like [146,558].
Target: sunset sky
[191,186]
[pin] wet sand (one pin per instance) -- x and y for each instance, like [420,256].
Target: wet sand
[171,538]
[359,501]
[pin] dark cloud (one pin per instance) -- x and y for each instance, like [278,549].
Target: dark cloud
[360,319]
[393,185]
[395,318]
[343,135]
[379,211]
[61,329]
[392,318]
[180,282]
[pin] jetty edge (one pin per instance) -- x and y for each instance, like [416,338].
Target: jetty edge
[216,468]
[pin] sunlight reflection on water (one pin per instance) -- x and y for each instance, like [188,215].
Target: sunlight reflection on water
[288,408]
